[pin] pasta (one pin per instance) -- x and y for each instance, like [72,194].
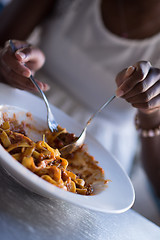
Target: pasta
[77,173]
[80,162]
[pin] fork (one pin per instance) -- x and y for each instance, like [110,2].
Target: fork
[52,124]
[80,140]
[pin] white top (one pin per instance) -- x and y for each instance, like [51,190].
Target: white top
[84,57]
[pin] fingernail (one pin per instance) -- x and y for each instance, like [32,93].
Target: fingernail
[129,71]
[21,54]
[46,87]
[119,93]
[26,73]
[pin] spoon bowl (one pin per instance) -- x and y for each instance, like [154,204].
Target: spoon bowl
[80,140]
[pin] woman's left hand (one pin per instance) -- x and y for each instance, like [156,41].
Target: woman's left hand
[140,86]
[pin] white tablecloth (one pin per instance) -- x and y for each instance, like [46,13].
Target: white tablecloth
[28,216]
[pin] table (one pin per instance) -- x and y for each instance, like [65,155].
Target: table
[29,216]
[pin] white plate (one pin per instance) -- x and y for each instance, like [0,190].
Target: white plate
[117,198]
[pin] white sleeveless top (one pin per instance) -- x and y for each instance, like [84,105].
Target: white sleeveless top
[84,58]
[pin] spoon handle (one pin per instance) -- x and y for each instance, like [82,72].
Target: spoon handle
[101,108]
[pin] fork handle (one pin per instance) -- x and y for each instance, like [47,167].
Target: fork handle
[49,113]
[31,76]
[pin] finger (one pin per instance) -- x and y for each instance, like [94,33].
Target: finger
[18,44]
[124,74]
[31,55]
[146,96]
[152,104]
[9,61]
[142,69]
[29,86]
[152,78]
[23,83]
[16,80]
[43,86]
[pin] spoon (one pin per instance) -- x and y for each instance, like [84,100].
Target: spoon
[80,140]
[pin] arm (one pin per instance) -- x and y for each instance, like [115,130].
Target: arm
[140,86]
[150,148]
[20,17]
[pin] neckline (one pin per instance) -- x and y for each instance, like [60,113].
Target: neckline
[118,39]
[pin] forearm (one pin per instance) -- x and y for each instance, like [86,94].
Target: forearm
[19,18]
[150,148]
[139,85]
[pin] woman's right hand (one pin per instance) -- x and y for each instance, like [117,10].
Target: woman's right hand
[15,68]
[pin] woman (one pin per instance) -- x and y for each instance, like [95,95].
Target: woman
[85,48]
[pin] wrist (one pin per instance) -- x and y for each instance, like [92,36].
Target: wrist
[148,124]
[149,120]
